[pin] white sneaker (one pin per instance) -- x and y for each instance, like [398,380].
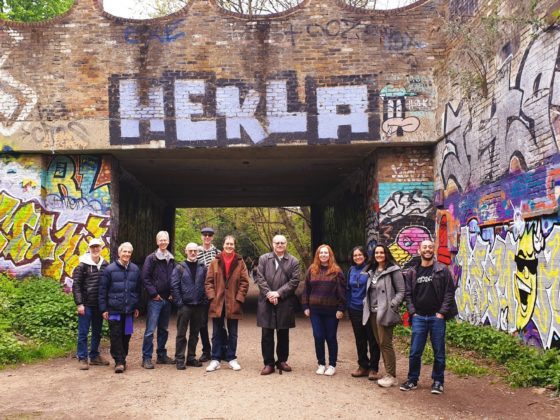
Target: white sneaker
[387,381]
[234,364]
[331,370]
[213,365]
[320,370]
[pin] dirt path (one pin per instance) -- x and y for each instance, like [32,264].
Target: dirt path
[57,389]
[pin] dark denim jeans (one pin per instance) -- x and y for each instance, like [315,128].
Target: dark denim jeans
[324,329]
[217,337]
[422,325]
[158,315]
[92,317]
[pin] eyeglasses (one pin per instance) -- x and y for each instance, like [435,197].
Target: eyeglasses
[530,264]
[207,235]
[279,243]
[192,250]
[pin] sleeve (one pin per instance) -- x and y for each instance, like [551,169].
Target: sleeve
[103,290]
[306,290]
[243,283]
[289,288]
[176,286]
[398,284]
[77,285]
[449,293]
[341,291]
[210,283]
[259,278]
[147,276]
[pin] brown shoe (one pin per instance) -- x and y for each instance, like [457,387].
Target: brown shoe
[360,372]
[284,366]
[99,361]
[119,369]
[373,375]
[84,365]
[267,370]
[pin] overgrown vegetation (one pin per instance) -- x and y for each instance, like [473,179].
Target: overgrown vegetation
[33,10]
[479,39]
[37,319]
[525,365]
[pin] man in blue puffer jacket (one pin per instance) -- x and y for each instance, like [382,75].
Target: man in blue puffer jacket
[119,294]
[187,286]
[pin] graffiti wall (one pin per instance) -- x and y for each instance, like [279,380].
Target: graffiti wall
[498,222]
[401,210]
[198,109]
[50,207]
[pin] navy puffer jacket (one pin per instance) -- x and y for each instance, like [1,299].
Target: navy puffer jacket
[119,289]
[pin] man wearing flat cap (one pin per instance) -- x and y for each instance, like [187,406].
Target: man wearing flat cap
[206,253]
[85,290]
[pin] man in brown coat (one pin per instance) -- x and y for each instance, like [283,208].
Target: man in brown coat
[277,276]
[227,283]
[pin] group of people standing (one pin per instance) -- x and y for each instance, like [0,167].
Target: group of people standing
[214,284]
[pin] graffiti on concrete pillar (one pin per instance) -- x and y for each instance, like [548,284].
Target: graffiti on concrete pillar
[46,234]
[514,131]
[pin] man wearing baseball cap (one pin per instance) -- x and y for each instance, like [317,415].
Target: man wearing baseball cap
[85,290]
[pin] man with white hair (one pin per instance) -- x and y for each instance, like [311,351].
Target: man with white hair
[119,295]
[187,286]
[278,276]
[156,276]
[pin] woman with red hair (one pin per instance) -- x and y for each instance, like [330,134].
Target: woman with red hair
[324,301]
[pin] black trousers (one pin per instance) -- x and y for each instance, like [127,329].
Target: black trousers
[204,336]
[186,315]
[119,341]
[364,339]
[282,345]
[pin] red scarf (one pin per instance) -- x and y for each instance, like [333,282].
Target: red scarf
[227,261]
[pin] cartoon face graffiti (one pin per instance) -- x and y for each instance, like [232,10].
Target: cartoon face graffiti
[525,279]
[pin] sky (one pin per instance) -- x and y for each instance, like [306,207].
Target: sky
[123,7]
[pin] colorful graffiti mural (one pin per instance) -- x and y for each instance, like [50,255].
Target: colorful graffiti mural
[511,280]
[49,209]
[498,225]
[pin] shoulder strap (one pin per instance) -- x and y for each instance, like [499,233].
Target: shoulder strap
[279,261]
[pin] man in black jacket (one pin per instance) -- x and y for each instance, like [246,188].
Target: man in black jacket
[430,300]
[156,276]
[187,285]
[86,296]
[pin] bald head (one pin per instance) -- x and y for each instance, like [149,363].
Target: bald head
[191,251]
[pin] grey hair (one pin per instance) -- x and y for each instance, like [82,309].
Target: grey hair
[124,245]
[162,233]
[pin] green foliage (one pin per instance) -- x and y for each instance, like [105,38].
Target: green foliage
[253,229]
[33,10]
[36,319]
[526,366]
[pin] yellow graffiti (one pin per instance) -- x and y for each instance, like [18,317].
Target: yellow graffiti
[489,290]
[28,232]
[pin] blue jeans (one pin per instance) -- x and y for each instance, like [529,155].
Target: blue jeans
[422,325]
[231,337]
[159,312]
[324,329]
[92,317]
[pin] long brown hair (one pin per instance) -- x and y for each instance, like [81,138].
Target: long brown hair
[332,266]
